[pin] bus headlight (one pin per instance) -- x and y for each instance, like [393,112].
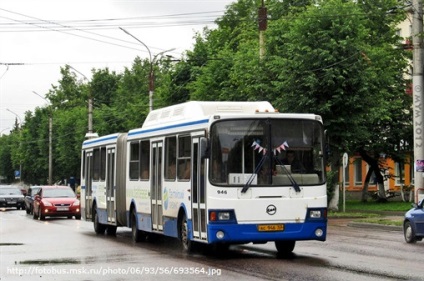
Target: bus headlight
[221,216]
[315,214]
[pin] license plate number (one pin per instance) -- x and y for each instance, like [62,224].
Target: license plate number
[62,208]
[11,202]
[271,227]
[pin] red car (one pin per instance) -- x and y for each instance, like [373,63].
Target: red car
[56,201]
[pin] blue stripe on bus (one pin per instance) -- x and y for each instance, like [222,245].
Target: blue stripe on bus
[100,140]
[169,127]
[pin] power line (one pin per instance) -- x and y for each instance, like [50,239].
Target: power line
[57,27]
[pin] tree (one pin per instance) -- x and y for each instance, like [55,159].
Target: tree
[6,167]
[325,62]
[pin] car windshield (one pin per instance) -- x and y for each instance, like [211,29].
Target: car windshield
[58,192]
[10,191]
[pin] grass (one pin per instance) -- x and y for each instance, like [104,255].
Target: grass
[373,206]
[372,211]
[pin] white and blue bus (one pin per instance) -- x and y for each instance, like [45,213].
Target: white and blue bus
[210,172]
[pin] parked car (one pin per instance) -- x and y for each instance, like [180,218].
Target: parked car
[29,198]
[56,201]
[413,224]
[11,196]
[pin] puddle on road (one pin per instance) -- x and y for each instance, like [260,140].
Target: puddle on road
[51,261]
[11,244]
[42,262]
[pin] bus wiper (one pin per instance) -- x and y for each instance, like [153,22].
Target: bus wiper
[252,177]
[289,176]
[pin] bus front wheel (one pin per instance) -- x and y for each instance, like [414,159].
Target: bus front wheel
[285,248]
[184,235]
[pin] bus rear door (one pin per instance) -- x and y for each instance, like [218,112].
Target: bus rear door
[88,197]
[110,186]
[156,186]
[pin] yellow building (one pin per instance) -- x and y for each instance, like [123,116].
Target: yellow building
[396,174]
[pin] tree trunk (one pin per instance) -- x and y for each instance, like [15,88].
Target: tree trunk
[335,162]
[373,163]
[333,205]
[364,196]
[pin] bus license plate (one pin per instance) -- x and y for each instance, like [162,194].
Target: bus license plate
[271,227]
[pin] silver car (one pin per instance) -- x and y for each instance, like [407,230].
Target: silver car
[11,196]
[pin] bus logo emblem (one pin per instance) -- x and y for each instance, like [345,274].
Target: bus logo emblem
[271,210]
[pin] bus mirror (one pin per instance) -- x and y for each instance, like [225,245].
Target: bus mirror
[326,145]
[204,148]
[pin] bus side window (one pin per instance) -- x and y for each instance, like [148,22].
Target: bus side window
[134,160]
[144,159]
[184,156]
[96,164]
[170,157]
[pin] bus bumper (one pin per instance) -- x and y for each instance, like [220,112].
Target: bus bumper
[250,233]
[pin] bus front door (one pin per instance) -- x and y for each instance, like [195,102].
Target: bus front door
[198,192]
[88,197]
[156,186]
[110,186]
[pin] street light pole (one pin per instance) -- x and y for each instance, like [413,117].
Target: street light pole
[90,133]
[20,142]
[50,140]
[151,71]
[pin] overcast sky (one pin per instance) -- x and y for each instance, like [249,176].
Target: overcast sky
[37,37]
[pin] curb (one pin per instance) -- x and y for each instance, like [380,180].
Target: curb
[375,226]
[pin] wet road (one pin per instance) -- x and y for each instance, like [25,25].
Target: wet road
[62,249]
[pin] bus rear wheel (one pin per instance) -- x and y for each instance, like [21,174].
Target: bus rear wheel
[285,248]
[137,235]
[98,227]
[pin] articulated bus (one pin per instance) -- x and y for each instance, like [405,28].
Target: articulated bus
[210,172]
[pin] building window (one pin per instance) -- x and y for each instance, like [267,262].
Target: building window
[399,174]
[357,164]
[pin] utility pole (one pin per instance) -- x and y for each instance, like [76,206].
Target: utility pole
[417,92]
[20,143]
[262,22]
[89,133]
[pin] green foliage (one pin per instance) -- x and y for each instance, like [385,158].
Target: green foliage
[339,59]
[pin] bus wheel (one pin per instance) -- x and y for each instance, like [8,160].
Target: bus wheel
[98,227]
[137,235]
[111,230]
[285,248]
[184,236]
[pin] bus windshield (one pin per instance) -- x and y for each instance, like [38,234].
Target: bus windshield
[267,152]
